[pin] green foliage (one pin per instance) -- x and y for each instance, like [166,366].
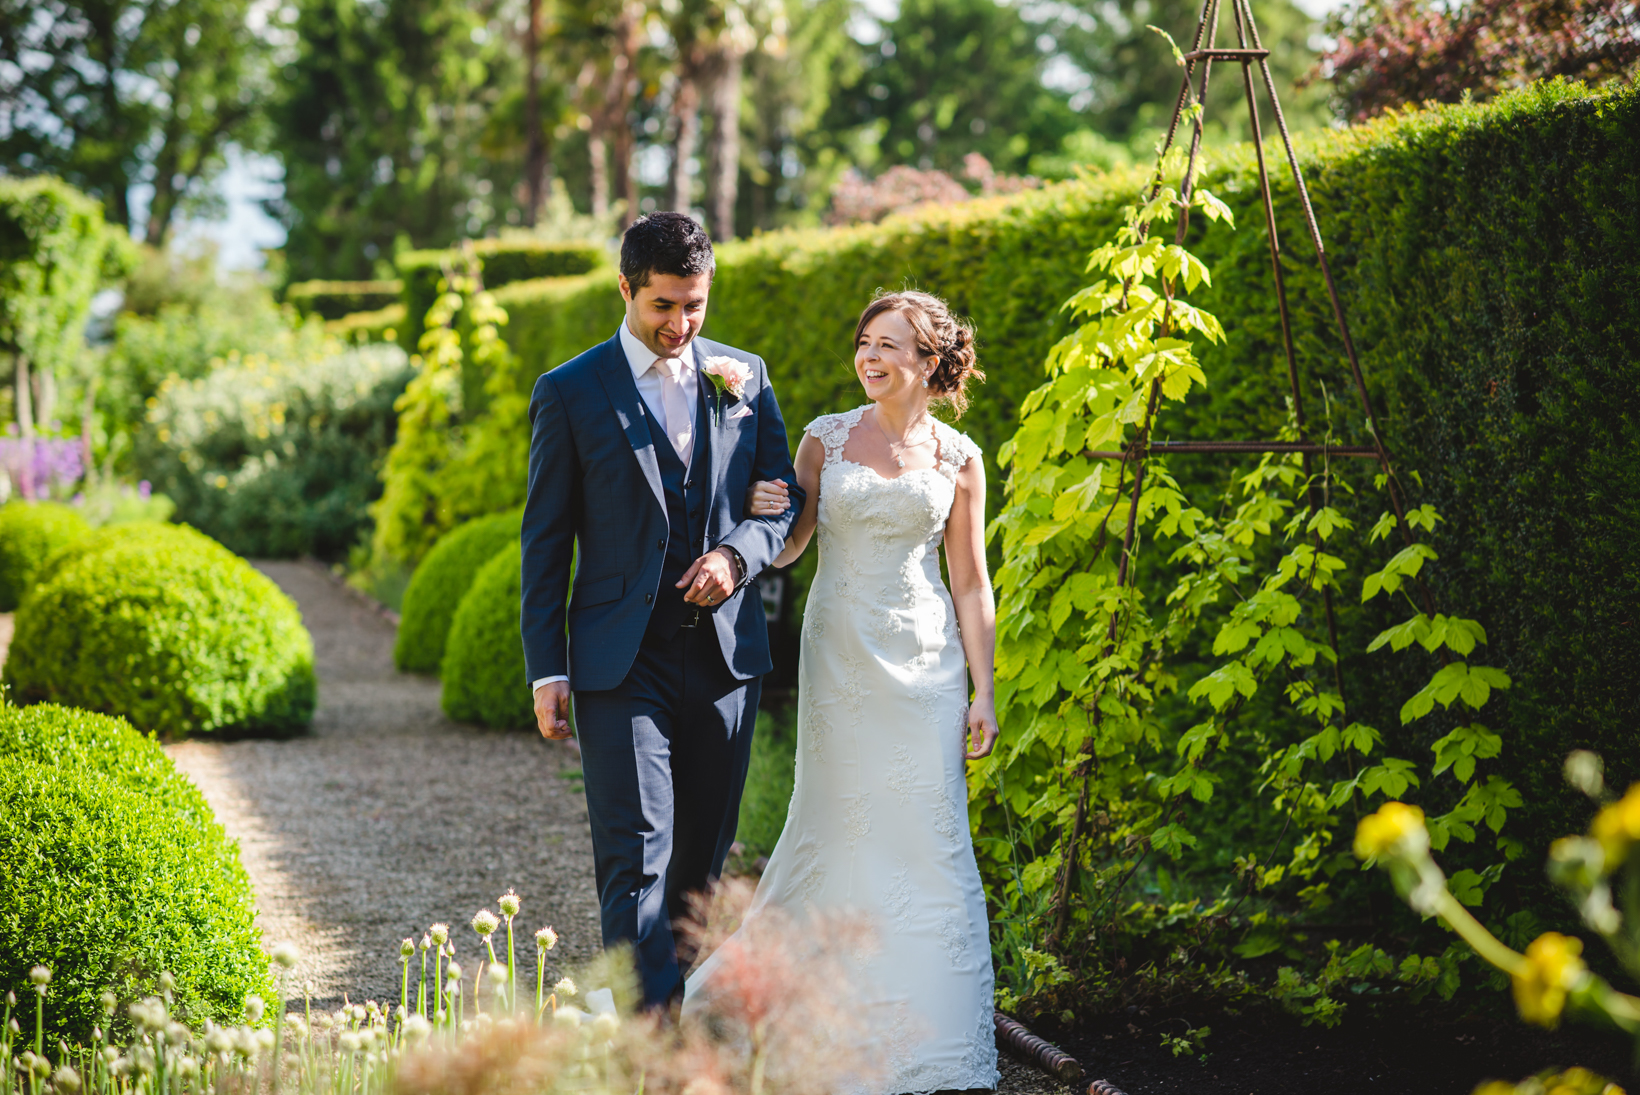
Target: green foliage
[277,457]
[166,628]
[769,780]
[29,533]
[112,914]
[335,299]
[441,581]
[426,274]
[203,65]
[483,668]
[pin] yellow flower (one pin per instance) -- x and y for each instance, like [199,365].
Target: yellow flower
[1617,826]
[1396,829]
[1551,968]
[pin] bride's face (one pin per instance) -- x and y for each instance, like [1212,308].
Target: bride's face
[887,360]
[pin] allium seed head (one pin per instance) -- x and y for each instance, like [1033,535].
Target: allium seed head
[565,987]
[285,955]
[567,1016]
[546,938]
[604,1026]
[417,1028]
[253,1008]
[407,948]
[109,1002]
[426,941]
[508,903]
[485,922]
[11,999]
[453,970]
[39,976]
[166,981]
[440,934]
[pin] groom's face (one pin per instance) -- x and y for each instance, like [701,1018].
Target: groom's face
[667,313]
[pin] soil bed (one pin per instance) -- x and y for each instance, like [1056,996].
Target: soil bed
[1263,1052]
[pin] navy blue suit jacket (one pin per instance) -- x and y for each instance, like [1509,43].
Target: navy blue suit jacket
[595,488]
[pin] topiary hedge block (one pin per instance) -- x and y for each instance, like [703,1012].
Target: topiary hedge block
[177,635]
[335,299]
[30,532]
[116,871]
[440,582]
[503,262]
[483,670]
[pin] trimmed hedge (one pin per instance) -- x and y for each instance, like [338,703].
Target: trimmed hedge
[173,634]
[169,895]
[483,669]
[29,533]
[504,261]
[382,325]
[335,299]
[441,581]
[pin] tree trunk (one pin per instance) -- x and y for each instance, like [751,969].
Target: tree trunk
[598,154]
[535,149]
[723,151]
[686,139]
[45,395]
[24,398]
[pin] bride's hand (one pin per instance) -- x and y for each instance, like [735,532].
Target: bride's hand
[982,731]
[767,498]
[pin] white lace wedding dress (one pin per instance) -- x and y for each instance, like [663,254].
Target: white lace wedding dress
[878,817]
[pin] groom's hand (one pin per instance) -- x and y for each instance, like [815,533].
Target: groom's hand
[552,710]
[710,579]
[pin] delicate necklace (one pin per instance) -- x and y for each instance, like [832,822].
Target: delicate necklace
[903,445]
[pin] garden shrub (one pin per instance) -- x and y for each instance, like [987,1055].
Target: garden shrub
[483,669]
[441,581]
[173,634]
[274,457]
[335,299]
[116,872]
[359,328]
[29,533]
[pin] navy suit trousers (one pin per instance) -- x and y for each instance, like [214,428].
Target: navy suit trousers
[665,756]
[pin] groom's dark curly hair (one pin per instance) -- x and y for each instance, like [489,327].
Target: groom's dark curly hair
[665,243]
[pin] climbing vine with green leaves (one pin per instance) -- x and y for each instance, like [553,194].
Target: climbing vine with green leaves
[1119,740]
[413,511]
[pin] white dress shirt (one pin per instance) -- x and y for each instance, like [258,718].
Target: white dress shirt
[641,359]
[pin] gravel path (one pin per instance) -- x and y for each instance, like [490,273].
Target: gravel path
[388,817]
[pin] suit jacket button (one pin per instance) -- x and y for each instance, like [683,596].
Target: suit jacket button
[688,483]
[662,543]
[648,598]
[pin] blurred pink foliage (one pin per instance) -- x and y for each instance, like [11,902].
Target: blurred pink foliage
[1395,52]
[857,199]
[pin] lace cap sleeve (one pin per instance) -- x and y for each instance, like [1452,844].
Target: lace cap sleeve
[832,431]
[956,449]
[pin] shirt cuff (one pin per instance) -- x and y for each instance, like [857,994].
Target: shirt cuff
[546,680]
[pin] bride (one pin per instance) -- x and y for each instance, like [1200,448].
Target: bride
[878,817]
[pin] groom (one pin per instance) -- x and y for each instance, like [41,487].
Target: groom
[638,473]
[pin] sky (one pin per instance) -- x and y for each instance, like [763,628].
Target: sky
[245,230]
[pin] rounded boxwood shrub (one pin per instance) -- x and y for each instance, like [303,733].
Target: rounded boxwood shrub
[159,533]
[174,633]
[30,532]
[483,668]
[115,872]
[439,583]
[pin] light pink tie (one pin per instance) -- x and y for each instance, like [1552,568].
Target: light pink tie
[675,404]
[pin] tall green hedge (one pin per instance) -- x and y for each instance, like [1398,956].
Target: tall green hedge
[440,582]
[483,670]
[335,299]
[1487,259]
[104,913]
[503,261]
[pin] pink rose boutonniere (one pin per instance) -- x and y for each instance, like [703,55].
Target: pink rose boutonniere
[727,375]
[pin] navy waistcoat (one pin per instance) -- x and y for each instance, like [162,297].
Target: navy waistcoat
[685,490]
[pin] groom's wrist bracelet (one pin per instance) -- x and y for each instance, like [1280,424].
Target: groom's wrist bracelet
[739,562]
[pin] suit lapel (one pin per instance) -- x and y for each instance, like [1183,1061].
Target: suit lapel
[615,373]
[715,431]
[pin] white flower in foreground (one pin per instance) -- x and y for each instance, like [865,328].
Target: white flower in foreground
[509,903]
[569,1017]
[604,1026]
[253,1008]
[39,976]
[546,938]
[485,922]
[565,987]
[285,955]
[66,1080]
[440,934]
[417,1028]
[407,948]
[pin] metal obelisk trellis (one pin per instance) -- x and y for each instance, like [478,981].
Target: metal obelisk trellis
[1249,53]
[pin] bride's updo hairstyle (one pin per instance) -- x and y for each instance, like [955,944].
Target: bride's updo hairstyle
[939,334]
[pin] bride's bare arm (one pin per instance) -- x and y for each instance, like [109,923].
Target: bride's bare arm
[976,606]
[810,456]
